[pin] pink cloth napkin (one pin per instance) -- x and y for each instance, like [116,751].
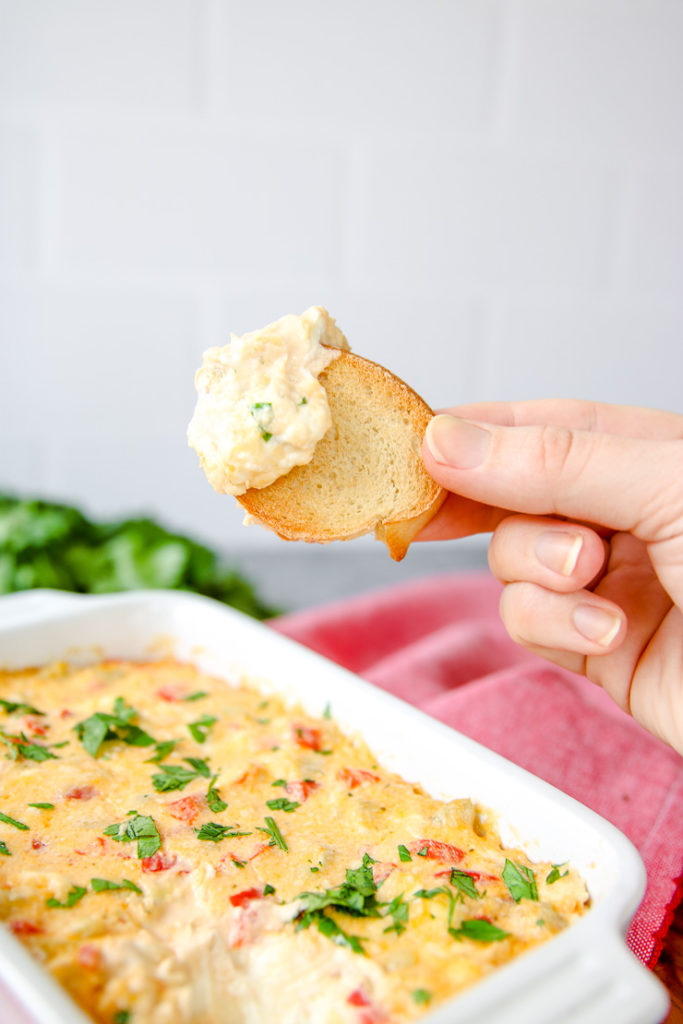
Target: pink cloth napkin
[439,644]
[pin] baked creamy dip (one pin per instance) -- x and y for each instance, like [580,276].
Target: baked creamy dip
[260,408]
[178,850]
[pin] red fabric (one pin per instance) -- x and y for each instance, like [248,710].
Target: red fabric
[439,644]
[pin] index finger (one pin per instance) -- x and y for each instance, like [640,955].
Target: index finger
[624,483]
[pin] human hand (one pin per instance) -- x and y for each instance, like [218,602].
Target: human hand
[585,502]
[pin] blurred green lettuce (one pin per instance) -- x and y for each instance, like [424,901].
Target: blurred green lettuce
[43,544]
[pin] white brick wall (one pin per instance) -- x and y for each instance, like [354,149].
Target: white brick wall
[362,67]
[600,73]
[487,194]
[451,219]
[101,53]
[199,203]
[19,186]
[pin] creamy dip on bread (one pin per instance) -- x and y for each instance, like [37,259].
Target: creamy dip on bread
[261,409]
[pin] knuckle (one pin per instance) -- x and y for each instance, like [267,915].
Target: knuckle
[562,458]
[556,445]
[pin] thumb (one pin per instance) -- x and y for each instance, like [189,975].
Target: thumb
[626,484]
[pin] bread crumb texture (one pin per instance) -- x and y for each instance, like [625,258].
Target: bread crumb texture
[366,473]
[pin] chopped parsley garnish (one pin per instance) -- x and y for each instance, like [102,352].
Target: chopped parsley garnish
[121,1017]
[4,849]
[262,411]
[75,893]
[213,798]
[279,782]
[95,730]
[43,807]
[214,833]
[268,889]
[421,996]
[404,852]
[479,929]
[174,776]
[304,400]
[283,804]
[13,821]
[177,776]
[18,707]
[140,828]
[200,729]
[398,910]
[104,885]
[464,883]
[163,749]
[35,751]
[453,900]
[429,894]
[327,713]
[520,881]
[197,695]
[275,834]
[555,874]
[331,930]
[20,746]
[355,896]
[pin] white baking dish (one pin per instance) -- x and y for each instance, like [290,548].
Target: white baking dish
[585,975]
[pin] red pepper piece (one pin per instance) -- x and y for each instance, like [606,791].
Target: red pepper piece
[434,849]
[307,736]
[300,791]
[240,899]
[353,777]
[159,861]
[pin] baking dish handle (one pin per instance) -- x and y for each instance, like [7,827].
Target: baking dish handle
[578,984]
[25,605]
[622,988]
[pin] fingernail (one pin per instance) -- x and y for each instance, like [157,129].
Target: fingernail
[457,443]
[559,551]
[596,624]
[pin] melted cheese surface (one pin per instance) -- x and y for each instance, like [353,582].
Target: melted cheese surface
[260,408]
[287,877]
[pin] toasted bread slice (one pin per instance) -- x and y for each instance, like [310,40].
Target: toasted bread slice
[366,473]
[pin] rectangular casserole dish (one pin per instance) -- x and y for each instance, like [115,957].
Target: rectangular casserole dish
[586,975]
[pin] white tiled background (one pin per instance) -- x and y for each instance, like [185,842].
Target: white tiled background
[487,194]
